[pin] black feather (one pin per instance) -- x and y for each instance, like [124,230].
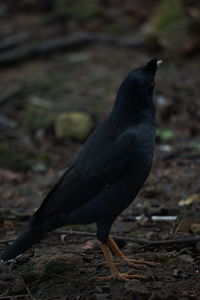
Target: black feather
[28,237]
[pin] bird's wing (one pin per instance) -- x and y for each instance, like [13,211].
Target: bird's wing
[107,160]
[88,175]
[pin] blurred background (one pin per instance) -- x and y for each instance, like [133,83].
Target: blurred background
[61,63]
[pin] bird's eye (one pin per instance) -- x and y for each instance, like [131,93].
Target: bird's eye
[150,87]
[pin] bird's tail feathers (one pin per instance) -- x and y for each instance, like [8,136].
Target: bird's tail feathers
[29,237]
[32,235]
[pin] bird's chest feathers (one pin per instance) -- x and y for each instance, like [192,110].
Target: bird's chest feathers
[141,161]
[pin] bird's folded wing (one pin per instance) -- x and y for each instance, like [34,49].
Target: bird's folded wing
[91,172]
[107,161]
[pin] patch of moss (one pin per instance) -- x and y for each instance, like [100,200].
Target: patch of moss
[75,10]
[132,244]
[168,12]
[116,28]
[170,261]
[12,155]
[36,117]
[46,85]
[132,234]
[194,146]
[41,268]
[44,157]
[15,156]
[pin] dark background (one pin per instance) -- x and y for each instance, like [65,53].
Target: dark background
[62,58]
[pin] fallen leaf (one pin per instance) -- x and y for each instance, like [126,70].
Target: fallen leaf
[177,273]
[9,175]
[62,237]
[184,225]
[8,194]
[195,228]
[8,224]
[190,200]
[89,245]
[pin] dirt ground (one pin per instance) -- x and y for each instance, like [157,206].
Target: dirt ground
[66,265]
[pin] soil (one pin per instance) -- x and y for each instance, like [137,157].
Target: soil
[65,265]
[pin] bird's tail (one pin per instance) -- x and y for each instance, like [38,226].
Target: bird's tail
[30,236]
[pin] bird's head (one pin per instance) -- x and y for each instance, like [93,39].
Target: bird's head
[136,90]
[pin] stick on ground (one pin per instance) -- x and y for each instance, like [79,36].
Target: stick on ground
[188,240]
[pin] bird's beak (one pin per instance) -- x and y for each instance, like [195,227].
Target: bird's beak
[159,62]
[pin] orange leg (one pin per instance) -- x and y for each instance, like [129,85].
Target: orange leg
[126,261]
[115,274]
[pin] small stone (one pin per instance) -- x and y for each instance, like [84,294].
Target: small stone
[186,258]
[177,273]
[162,100]
[132,284]
[184,225]
[195,228]
[39,168]
[165,148]
[75,125]
[153,236]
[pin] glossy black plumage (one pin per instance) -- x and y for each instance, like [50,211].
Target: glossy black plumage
[109,170]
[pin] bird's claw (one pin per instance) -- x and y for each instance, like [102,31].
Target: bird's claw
[138,263]
[131,263]
[123,277]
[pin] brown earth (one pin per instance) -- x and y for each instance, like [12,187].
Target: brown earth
[64,265]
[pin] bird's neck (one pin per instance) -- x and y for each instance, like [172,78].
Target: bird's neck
[129,111]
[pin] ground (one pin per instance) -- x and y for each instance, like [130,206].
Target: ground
[66,265]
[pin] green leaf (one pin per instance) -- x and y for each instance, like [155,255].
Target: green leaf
[165,134]
[194,145]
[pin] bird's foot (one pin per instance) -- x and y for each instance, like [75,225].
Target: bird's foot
[123,277]
[137,263]
[128,263]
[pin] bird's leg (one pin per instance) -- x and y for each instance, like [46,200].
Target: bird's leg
[115,274]
[124,260]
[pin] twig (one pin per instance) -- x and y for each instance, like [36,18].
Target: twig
[4,293]
[73,40]
[7,123]
[11,266]
[179,153]
[11,92]
[29,292]
[7,241]
[14,296]
[14,40]
[190,240]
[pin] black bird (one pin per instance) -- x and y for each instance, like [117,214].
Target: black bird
[107,174]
